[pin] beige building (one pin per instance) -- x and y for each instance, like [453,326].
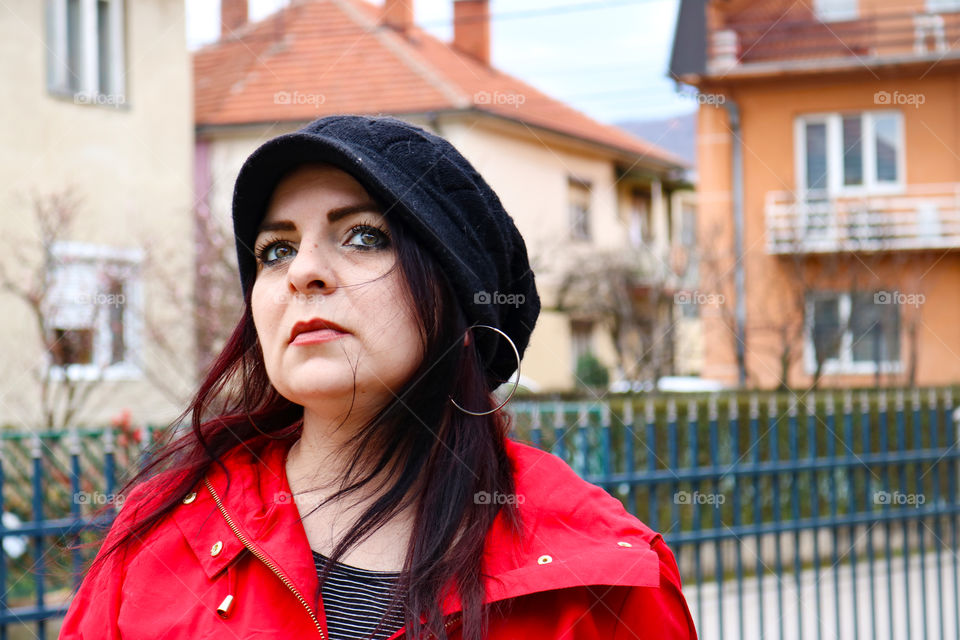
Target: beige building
[96,202]
[576,188]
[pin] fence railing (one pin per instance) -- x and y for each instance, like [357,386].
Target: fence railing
[820,516]
[826,516]
[50,484]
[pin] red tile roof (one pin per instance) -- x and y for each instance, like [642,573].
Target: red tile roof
[318,57]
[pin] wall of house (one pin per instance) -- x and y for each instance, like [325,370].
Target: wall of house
[130,170]
[768,110]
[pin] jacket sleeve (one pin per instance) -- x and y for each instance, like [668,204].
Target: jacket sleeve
[657,614]
[95,608]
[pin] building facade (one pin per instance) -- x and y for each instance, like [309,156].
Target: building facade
[829,184]
[95,151]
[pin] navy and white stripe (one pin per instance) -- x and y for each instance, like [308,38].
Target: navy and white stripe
[355,600]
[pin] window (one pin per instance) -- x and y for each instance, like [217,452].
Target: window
[92,312]
[581,337]
[850,153]
[853,332]
[641,220]
[85,50]
[579,203]
[828,10]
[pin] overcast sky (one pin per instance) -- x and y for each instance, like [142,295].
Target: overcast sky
[608,60]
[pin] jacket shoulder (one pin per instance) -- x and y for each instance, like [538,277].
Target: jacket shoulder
[546,483]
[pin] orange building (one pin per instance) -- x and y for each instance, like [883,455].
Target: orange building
[829,188]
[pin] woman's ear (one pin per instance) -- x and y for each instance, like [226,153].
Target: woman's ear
[466,338]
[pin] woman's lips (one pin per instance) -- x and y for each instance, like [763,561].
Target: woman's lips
[317,336]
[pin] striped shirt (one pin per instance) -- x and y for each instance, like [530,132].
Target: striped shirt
[355,600]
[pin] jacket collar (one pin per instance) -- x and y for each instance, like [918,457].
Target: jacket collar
[574,533]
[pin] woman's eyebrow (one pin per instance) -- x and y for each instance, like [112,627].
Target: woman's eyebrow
[332,216]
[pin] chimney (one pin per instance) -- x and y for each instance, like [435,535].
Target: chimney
[471,28]
[397,14]
[233,15]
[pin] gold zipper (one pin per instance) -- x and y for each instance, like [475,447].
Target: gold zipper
[263,559]
[276,571]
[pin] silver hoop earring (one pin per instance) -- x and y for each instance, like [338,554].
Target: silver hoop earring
[515,385]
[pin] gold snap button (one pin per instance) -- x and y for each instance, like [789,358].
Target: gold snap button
[190,497]
[624,544]
[544,559]
[215,549]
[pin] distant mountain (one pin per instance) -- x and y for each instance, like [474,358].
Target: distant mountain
[677,134]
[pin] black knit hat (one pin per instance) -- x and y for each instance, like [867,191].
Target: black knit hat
[437,194]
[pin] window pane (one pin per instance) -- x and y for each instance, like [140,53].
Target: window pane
[826,328]
[885,133]
[816,152]
[579,203]
[875,328]
[72,346]
[74,45]
[103,47]
[852,150]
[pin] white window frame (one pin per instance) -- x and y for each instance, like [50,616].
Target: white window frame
[834,130]
[107,260]
[89,81]
[845,364]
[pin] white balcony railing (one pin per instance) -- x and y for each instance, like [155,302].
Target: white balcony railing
[924,216]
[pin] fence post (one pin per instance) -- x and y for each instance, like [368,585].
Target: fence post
[36,454]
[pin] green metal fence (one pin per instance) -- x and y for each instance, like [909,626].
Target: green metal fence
[820,516]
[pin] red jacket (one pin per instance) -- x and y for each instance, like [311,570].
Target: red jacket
[586,570]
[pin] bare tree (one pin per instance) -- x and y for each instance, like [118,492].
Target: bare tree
[630,290]
[62,396]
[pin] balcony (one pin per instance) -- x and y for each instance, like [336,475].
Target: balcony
[773,36]
[923,216]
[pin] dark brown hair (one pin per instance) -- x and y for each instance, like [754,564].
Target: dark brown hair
[435,455]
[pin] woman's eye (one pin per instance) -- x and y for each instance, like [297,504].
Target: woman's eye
[275,251]
[369,237]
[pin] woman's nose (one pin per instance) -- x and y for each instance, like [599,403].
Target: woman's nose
[310,270]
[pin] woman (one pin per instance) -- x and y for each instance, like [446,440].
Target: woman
[355,479]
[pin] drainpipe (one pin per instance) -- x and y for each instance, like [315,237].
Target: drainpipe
[740,310]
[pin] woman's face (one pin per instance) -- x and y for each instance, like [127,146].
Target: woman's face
[323,251]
